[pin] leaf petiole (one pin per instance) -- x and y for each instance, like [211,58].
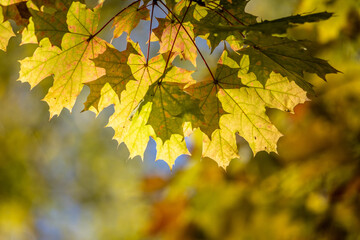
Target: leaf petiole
[192,40]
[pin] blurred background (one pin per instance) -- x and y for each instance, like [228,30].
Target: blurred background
[67,179]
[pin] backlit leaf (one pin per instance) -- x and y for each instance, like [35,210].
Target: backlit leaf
[127,20]
[71,66]
[183,45]
[288,57]
[5,32]
[153,94]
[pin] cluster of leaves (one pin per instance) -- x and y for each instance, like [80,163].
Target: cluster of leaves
[259,68]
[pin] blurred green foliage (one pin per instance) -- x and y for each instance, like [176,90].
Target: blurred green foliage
[66,178]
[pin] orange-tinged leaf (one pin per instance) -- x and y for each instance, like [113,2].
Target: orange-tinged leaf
[183,41]
[17,12]
[73,64]
[127,20]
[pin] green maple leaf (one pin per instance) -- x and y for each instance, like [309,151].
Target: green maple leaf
[70,65]
[171,107]
[288,57]
[277,26]
[118,74]
[282,24]
[169,103]
[6,32]
[223,14]
[226,77]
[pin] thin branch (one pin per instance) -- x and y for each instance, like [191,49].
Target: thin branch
[92,36]
[192,40]
[151,22]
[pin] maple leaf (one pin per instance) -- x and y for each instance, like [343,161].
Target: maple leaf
[282,24]
[155,98]
[130,125]
[176,37]
[171,107]
[288,57]
[49,21]
[6,32]
[118,74]
[128,19]
[172,101]
[277,26]
[247,108]
[226,77]
[48,24]
[70,65]
[17,12]
[222,14]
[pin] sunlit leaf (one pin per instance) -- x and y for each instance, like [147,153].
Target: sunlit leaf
[71,66]
[6,32]
[127,20]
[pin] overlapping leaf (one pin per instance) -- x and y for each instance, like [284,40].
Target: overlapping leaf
[48,21]
[118,74]
[178,37]
[288,57]
[16,11]
[277,26]
[128,19]
[153,97]
[129,124]
[6,32]
[226,77]
[224,13]
[70,65]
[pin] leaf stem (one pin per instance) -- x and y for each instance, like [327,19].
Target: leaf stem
[192,40]
[107,23]
[151,23]
[177,33]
